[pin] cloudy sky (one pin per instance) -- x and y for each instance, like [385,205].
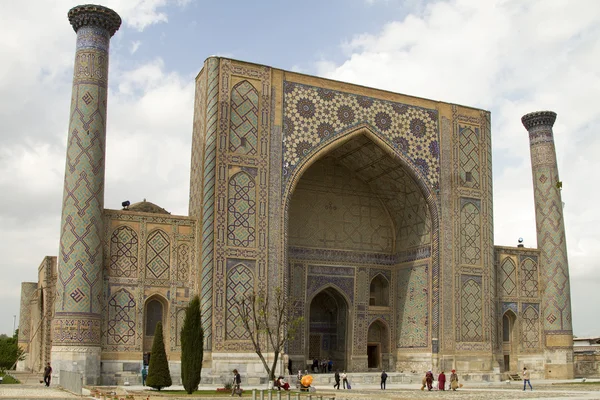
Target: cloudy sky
[508,56]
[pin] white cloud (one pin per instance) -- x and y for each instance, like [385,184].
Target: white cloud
[149,129]
[512,58]
[135,45]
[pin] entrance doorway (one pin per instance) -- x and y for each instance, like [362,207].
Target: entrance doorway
[377,346]
[373,356]
[327,328]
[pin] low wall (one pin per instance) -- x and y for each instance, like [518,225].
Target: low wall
[71,381]
[587,365]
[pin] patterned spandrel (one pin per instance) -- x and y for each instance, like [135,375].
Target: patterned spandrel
[469,157]
[413,306]
[470,234]
[123,253]
[507,277]
[530,327]
[315,116]
[243,130]
[471,310]
[241,211]
[121,318]
[240,282]
[529,278]
[158,253]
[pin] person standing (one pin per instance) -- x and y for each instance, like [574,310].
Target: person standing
[344,379]
[526,379]
[453,380]
[442,381]
[383,379]
[144,375]
[47,374]
[337,379]
[429,380]
[237,381]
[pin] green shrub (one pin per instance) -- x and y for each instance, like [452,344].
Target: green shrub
[159,375]
[192,343]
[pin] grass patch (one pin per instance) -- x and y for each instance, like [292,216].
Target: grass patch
[7,379]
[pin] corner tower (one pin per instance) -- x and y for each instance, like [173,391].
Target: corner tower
[76,325]
[554,274]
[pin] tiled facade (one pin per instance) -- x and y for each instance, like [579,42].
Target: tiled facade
[372,210]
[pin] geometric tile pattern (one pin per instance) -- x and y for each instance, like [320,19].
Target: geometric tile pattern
[556,305]
[158,255]
[530,327]
[123,253]
[240,283]
[243,131]
[469,156]
[529,278]
[470,234]
[507,277]
[241,211]
[121,318]
[208,197]
[413,307]
[471,309]
[332,209]
[314,116]
[79,286]
[183,262]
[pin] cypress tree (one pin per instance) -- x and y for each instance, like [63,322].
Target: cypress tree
[159,375]
[192,343]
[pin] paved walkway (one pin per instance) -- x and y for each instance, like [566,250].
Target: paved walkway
[549,390]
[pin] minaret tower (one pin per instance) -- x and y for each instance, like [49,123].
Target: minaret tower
[554,266]
[76,324]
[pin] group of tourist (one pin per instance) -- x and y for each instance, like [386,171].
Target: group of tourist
[322,366]
[429,378]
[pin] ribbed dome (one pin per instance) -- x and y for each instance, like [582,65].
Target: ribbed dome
[148,207]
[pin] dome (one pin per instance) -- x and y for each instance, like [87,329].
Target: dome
[147,207]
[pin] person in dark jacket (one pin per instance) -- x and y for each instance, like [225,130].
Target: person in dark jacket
[383,379]
[337,379]
[237,381]
[47,374]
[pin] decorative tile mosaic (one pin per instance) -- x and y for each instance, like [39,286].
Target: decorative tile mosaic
[413,307]
[507,277]
[529,277]
[471,309]
[314,117]
[121,318]
[123,253]
[241,210]
[243,129]
[158,255]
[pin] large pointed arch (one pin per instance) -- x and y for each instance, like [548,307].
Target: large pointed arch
[429,194]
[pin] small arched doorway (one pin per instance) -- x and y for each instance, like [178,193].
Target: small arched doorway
[328,322]
[379,292]
[377,346]
[154,312]
[508,343]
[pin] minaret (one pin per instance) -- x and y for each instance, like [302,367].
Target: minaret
[76,324]
[554,266]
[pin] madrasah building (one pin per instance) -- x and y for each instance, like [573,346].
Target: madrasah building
[371,209]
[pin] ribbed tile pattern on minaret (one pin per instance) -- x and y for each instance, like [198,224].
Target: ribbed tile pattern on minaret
[79,286]
[556,296]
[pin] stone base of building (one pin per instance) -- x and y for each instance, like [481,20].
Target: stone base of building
[123,372]
[84,360]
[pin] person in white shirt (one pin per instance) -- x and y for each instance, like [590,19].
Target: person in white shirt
[526,379]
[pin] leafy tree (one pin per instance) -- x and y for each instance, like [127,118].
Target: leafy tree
[270,322]
[10,351]
[159,375]
[192,343]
